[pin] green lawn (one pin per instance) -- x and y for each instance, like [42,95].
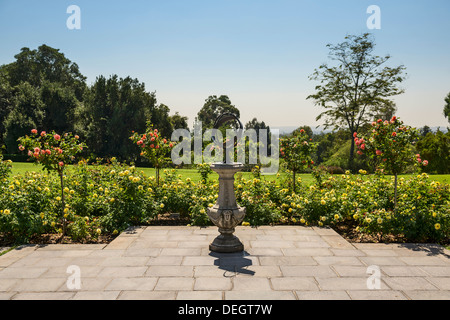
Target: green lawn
[20,168]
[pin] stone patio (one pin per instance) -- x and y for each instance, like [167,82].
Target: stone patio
[279,263]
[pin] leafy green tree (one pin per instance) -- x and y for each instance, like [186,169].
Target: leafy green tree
[435,147]
[357,88]
[215,106]
[390,146]
[112,109]
[27,112]
[447,107]
[45,63]
[296,151]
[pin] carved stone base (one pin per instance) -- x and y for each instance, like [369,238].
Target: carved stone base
[226,243]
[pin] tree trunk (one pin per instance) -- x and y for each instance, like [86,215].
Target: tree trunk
[293,177]
[395,193]
[157,176]
[64,221]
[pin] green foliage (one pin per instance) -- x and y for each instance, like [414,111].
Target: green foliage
[435,147]
[447,107]
[215,106]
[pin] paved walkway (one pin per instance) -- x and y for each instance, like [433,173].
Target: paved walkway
[278,263]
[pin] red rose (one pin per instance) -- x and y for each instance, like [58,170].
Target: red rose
[33,131]
[57,137]
[394,134]
[43,134]
[61,164]
[378,152]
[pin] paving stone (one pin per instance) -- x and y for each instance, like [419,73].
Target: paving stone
[146,252]
[382,261]
[351,271]
[45,285]
[423,261]
[311,244]
[165,261]
[265,252]
[259,271]
[380,253]
[307,271]
[322,295]
[210,283]
[250,283]
[199,295]
[272,244]
[7,295]
[348,283]
[294,283]
[170,271]
[147,295]
[376,295]
[122,272]
[442,283]
[124,261]
[288,261]
[427,294]
[437,271]
[198,261]
[22,272]
[96,295]
[347,252]
[325,231]
[213,271]
[336,241]
[120,243]
[306,252]
[174,283]
[6,284]
[403,271]
[43,296]
[180,252]
[139,283]
[259,295]
[333,260]
[409,283]
[90,284]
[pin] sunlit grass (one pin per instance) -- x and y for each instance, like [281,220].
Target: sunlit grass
[19,168]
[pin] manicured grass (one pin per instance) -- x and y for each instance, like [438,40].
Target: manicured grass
[20,168]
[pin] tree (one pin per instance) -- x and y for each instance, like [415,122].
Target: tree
[54,152]
[112,109]
[213,108]
[447,107]
[27,112]
[358,88]
[390,146]
[296,151]
[435,147]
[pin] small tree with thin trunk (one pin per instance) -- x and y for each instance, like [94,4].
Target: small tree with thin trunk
[389,145]
[296,152]
[154,147]
[357,88]
[53,152]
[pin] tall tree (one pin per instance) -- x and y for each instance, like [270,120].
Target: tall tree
[215,106]
[357,88]
[447,107]
[112,109]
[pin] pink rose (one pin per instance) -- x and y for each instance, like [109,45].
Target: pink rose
[363,146]
[61,164]
[355,134]
[57,137]
[359,152]
[425,163]
[140,142]
[21,148]
[77,137]
[378,152]
[33,131]
[48,152]
[152,146]
[43,134]
[37,150]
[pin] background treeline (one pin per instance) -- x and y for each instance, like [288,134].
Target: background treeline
[43,89]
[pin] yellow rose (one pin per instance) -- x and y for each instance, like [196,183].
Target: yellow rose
[437,226]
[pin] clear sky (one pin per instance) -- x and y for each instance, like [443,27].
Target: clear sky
[258,52]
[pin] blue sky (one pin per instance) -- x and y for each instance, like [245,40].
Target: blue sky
[259,53]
